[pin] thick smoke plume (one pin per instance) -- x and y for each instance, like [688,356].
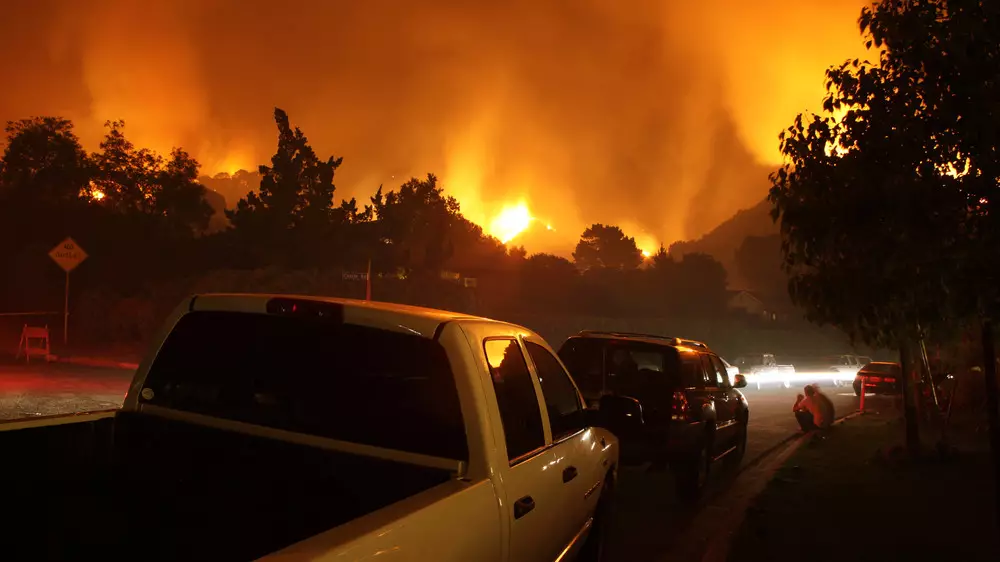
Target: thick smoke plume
[661,116]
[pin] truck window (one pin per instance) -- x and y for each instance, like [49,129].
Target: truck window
[341,381]
[519,412]
[561,398]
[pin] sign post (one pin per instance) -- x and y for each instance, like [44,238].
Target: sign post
[67,255]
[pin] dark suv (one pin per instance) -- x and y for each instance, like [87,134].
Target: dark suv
[683,410]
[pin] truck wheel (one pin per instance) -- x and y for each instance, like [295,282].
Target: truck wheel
[692,475]
[594,549]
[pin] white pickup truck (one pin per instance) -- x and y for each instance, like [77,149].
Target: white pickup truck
[762,369]
[300,428]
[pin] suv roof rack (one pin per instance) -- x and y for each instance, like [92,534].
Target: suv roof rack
[694,343]
[671,339]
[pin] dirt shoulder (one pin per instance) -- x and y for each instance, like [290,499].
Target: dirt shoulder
[848,497]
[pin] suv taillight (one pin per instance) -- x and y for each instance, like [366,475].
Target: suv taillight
[680,409]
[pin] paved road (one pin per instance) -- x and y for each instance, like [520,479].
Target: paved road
[649,517]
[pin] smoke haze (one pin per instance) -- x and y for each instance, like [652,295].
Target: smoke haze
[660,116]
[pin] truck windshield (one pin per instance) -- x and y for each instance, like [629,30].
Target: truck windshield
[341,381]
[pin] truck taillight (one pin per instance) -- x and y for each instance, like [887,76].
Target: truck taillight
[680,408]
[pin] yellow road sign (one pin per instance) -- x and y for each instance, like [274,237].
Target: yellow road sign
[68,255]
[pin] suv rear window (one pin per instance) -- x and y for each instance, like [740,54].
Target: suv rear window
[324,378]
[602,365]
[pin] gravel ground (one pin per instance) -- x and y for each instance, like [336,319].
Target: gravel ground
[51,389]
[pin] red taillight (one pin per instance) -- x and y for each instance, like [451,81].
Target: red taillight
[874,379]
[680,407]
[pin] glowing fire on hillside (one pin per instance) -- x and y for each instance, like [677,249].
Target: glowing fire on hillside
[510,222]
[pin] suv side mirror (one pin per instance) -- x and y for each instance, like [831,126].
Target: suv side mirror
[740,382]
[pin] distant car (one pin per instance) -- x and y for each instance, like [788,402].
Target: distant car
[880,377]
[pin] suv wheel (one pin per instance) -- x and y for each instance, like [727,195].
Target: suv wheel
[692,475]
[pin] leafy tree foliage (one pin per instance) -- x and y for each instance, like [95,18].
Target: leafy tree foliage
[884,213]
[180,199]
[296,190]
[547,282]
[416,222]
[126,176]
[949,53]
[132,180]
[607,247]
[43,161]
[694,284]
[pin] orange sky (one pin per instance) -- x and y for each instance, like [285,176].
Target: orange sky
[660,116]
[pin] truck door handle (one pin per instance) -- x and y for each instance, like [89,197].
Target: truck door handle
[523,506]
[569,474]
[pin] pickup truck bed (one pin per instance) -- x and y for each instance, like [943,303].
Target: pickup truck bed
[141,487]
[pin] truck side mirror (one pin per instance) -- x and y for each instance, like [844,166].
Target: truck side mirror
[740,382]
[620,415]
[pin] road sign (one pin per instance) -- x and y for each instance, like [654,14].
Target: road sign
[68,255]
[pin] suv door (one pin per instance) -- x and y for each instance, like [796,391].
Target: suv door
[534,495]
[717,384]
[578,463]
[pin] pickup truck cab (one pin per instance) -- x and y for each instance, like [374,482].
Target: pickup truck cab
[762,369]
[300,428]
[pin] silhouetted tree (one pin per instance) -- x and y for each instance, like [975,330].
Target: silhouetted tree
[870,221]
[43,161]
[126,179]
[517,253]
[607,247]
[179,198]
[943,57]
[296,190]
[548,283]
[415,224]
[232,187]
[694,284]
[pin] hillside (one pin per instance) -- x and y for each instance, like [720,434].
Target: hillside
[722,241]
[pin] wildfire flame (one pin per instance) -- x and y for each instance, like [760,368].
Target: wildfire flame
[511,221]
